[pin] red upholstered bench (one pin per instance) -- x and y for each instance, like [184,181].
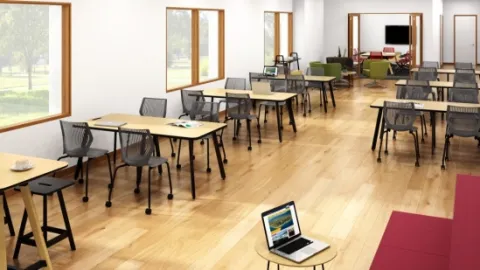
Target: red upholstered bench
[417,242]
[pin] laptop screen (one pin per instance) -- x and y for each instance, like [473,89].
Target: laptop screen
[281,224]
[270,71]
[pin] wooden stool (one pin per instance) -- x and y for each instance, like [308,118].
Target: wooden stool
[45,187]
[7,219]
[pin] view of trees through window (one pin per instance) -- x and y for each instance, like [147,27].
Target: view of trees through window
[269,37]
[26,83]
[278,38]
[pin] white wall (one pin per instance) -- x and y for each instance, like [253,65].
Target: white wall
[457,7]
[308,30]
[437,10]
[118,57]
[336,20]
[372,31]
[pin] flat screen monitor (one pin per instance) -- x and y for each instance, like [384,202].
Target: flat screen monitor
[397,34]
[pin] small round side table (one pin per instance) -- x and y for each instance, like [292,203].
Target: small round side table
[316,260]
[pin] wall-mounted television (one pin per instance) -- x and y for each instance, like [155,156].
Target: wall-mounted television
[397,34]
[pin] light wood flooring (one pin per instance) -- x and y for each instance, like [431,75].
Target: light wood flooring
[327,168]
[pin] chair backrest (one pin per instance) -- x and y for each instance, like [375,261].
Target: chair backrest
[399,115]
[156,107]
[462,65]
[379,69]
[430,64]
[426,74]
[388,49]
[419,90]
[205,111]
[465,85]
[345,62]
[137,146]
[315,71]
[189,97]
[77,138]
[376,55]
[465,76]
[296,84]
[463,95]
[236,83]
[294,55]
[238,106]
[463,121]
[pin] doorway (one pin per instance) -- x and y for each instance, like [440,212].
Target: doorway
[465,38]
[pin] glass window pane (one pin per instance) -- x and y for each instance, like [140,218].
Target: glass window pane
[269,38]
[209,51]
[30,62]
[284,34]
[179,48]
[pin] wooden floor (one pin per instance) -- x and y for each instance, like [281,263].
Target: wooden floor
[327,168]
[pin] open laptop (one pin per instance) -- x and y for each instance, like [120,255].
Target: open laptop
[262,88]
[284,237]
[270,71]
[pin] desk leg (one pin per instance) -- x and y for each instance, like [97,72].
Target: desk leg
[324,92]
[192,168]
[331,93]
[37,231]
[78,168]
[434,133]
[279,124]
[3,250]
[448,77]
[291,115]
[268,265]
[219,156]
[114,149]
[377,126]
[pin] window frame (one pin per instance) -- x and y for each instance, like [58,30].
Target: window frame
[277,31]
[66,65]
[196,47]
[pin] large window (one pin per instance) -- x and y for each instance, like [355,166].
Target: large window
[195,47]
[278,35]
[34,63]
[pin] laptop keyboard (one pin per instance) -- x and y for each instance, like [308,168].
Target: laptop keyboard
[295,245]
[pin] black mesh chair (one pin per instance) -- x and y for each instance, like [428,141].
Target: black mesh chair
[206,112]
[399,117]
[156,107]
[465,76]
[296,84]
[137,150]
[188,98]
[236,83]
[461,65]
[461,122]
[430,64]
[77,141]
[463,95]
[239,107]
[429,74]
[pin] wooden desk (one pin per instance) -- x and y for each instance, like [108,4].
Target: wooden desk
[437,84]
[448,72]
[10,179]
[277,97]
[159,127]
[321,258]
[432,107]
[309,78]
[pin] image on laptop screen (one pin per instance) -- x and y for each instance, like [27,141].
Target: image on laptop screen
[281,225]
[270,71]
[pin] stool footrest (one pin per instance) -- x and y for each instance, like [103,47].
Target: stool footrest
[27,238]
[37,265]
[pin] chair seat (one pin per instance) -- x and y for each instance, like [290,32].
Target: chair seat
[90,153]
[48,185]
[400,129]
[156,161]
[271,103]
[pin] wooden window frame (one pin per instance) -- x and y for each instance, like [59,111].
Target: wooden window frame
[277,31]
[66,65]
[196,47]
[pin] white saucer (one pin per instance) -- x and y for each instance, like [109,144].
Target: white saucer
[23,169]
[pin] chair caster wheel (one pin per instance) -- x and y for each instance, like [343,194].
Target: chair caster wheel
[109,186]
[108,204]
[174,140]
[179,166]
[258,126]
[136,190]
[446,159]
[80,181]
[259,141]
[193,157]
[249,148]
[379,160]
[170,196]
[417,164]
[443,167]
[202,142]
[309,111]
[148,211]
[265,121]
[85,199]
[304,115]
[386,152]
[234,138]
[173,155]
[225,161]
[423,141]
[209,170]
[281,127]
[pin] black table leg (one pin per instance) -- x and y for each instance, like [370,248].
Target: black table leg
[219,156]
[324,92]
[268,265]
[139,176]
[434,133]
[114,149]
[157,150]
[192,173]
[78,168]
[377,126]
[279,124]
[448,77]
[331,93]
[291,115]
